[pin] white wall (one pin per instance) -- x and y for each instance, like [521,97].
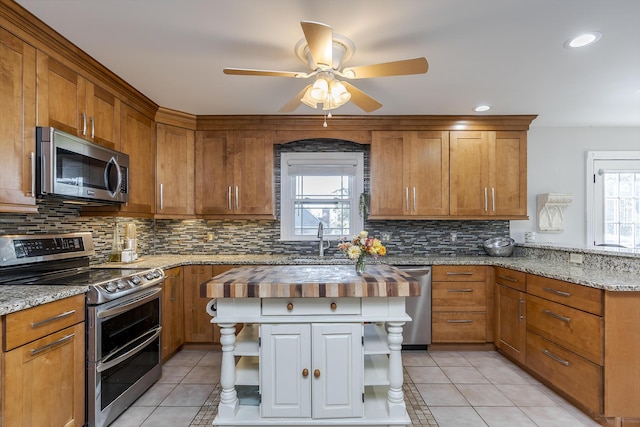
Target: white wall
[556,164]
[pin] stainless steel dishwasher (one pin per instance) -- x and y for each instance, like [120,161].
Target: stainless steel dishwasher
[417,333]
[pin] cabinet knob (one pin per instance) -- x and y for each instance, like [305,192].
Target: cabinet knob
[316,373]
[305,372]
[290,306]
[334,306]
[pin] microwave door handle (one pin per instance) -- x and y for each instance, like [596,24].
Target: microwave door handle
[113,162]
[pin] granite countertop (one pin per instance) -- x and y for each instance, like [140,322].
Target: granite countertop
[311,281]
[610,280]
[15,298]
[20,297]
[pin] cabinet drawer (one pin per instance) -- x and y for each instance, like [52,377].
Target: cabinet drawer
[577,296]
[458,296]
[511,278]
[458,273]
[309,306]
[33,323]
[572,329]
[576,376]
[461,327]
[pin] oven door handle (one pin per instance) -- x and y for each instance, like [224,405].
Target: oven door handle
[119,309]
[105,363]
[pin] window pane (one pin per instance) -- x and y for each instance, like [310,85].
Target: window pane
[622,208]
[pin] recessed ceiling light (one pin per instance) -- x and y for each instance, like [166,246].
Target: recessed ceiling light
[583,39]
[481,108]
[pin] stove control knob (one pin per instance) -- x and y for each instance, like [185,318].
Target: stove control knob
[122,284]
[111,287]
[149,276]
[156,274]
[136,280]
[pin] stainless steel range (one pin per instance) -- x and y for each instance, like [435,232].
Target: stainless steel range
[123,318]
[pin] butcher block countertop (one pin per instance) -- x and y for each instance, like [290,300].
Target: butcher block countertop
[311,281]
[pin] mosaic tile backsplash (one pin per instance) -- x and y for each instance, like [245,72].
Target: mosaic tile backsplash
[254,237]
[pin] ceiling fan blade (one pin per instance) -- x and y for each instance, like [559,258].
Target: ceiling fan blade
[396,68]
[248,72]
[295,101]
[361,99]
[320,40]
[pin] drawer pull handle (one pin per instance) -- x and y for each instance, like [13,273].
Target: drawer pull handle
[556,358]
[305,372]
[460,290]
[316,373]
[459,321]
[557,292]
[510,279]
[290,306]
[459,273]
[334,306]
[52,319]
[556,316]
[51,345]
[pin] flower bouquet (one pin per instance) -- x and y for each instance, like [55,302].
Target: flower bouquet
[361,246]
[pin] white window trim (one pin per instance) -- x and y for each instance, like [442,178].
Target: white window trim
[286,207]
[591,158]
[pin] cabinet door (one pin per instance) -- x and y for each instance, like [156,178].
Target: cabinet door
[509,174]
[197,322]
[103,112]
[389,197]
[252,173]
[138,141]
[17,124]
[175,170]
[172,312]
[337,383]
[37,395]
[469,153]
[286,371]
[428,165]
[511,322]
[213,173]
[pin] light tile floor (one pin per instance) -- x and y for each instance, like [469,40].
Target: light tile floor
[446,389]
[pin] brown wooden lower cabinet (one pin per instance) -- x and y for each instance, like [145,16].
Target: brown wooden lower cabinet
[576,376]
[43,367]
[197,322]
[172,312]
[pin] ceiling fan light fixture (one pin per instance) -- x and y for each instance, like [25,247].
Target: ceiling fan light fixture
[339,94]
[308,100]
[320,89]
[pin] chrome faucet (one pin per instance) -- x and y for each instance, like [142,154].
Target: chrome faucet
[321,246]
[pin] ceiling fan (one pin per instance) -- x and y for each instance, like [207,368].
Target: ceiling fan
[325,52]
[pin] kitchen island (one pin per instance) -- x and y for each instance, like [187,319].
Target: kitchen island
[321,345]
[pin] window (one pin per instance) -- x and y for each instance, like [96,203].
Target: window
[320,188]
[613,203]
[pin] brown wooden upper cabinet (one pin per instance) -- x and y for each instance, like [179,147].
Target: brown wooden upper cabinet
[138,140]
[71,103]
[18,116]
[488,171]
[409,174]
[234,174]
[175,171]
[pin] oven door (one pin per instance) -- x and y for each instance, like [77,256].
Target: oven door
[123,353]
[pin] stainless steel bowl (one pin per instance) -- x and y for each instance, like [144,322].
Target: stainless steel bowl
[499,246]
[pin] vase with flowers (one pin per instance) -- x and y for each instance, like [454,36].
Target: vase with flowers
[360,247]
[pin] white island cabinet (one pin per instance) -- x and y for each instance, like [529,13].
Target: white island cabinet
[320,346]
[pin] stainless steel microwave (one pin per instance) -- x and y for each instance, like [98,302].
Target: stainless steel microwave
[75,170]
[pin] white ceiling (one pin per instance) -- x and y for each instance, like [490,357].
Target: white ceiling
[506,53]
